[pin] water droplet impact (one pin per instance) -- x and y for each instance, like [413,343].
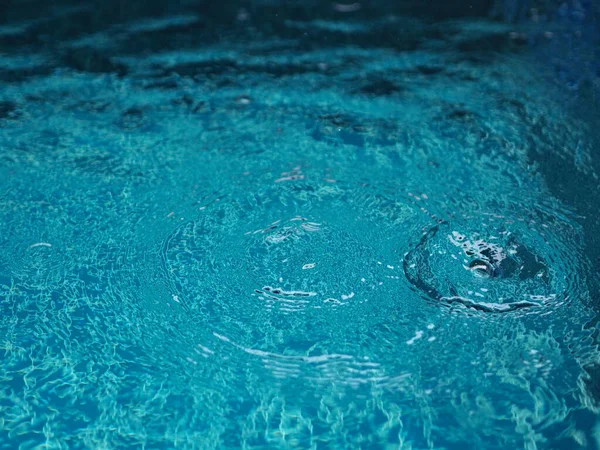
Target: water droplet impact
[482,268]
[501,266]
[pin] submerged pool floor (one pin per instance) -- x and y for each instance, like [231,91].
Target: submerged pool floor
[319,237]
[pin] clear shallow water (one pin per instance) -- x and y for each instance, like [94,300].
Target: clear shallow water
[316,236]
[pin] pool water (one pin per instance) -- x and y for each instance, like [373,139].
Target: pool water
[320,233]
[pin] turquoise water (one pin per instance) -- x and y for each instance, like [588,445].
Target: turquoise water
[325,234]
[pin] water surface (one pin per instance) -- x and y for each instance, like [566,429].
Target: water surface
[332,232]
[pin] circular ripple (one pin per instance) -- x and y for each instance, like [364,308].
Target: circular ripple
[41,264]
[493,264]
[291,264]
[285,262]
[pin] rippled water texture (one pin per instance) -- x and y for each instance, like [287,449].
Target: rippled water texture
[320,233]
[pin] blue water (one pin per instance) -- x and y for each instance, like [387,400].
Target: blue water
[371,231]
